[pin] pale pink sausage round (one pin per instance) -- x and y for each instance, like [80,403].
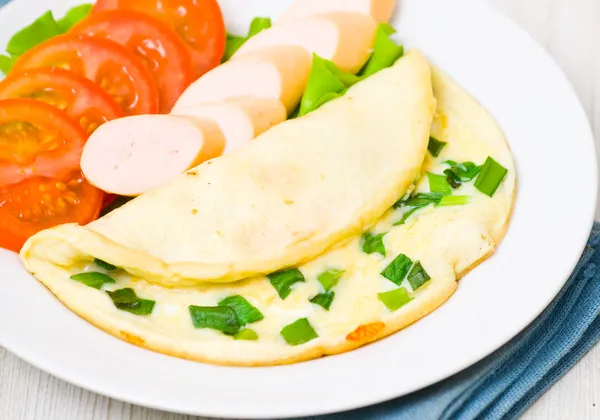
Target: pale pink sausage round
[343,37]
[240,119]
[278,72]
[135,154]
[380,10]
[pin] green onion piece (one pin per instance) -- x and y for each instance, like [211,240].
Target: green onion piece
[373,244]
[232,44]
[6,63]
[323,83]
[439,184]
[491,176]
[73,16]
[127,300]
[385,51]
[407,215]
[299,332]
[282,281]
[44,27]
[93,279]
[104,264]
[246,334]
[395,299]
[246,313]
[330,278]
[459,173]
[220,318]
[435,146]
[418,276]
[455,200]
[258,25]
[324,300]
[397,270]
[423,200]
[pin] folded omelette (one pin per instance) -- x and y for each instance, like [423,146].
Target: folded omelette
[327,232]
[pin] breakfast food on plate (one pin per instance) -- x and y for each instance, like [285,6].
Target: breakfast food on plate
[317,191]
[132,155]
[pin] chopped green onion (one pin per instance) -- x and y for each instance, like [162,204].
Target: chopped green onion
[127,300]
[299,332]
[93,279]
[398,269]
[258,25]
[385,51]
[246,313]
[220,318]
[459,173]
[435,146]
[491,176]
[104,264]
[423,199]
[418,276]
[455,200]
[407,215]
[439,184]
[330,278]
[246,334]
[73,16]
[395,299]
[373,244]
[324,300]
[282,281]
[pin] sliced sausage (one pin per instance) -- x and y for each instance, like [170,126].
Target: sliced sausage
[380,10]
[277,72]
[240,119]
[132,155]
[342,37]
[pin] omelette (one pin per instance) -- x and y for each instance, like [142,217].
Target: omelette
[326,233]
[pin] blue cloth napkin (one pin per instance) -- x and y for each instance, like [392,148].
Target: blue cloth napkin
[507,383]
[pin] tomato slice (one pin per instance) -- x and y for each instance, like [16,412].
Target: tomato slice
[37,139]
[39,203]
[104,62]
[155,43]
[199,22]
[80,98]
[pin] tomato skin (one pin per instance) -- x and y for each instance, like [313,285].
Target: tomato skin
[80,98]
[160,48]
[37,139]
[199,22]
[39,203]
[104,62]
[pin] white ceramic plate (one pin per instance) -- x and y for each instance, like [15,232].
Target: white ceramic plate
[553,146]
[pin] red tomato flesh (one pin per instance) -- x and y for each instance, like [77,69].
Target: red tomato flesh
[80,98]
[158,46]
[104,62]
[199,22]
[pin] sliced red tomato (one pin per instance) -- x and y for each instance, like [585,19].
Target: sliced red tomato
[80,98]
[199,22]
[158,46]
[37,139]
[39,203]
[104,62]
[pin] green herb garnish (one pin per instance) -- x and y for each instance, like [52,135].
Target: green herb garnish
[373,244]
[246,334]
[455,200]
[330,278]
[93,279]
[418,276]
[459,173]
[385,51]
[246,313]
[324,300]
[435,146]
[398,269]
[299,332]
[422,200]
[220,318]
[407,215]
[127,300]
[491,176]
[104,264]
[282,281]
[439,184]
[395,299]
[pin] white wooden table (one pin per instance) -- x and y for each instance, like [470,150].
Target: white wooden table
[570,31]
